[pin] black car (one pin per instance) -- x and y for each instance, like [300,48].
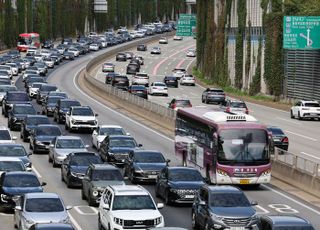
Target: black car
[29,123]
[68,55]
[75,165]
[115,148]
[212,95]
[139,90]
[48,44]
[51,226]
[133,68]
[171,81]
[225,206]
[43,91]
[121,57]
[97,178]
[275,222]
[42,67]
[4,89]
[110,76]
[144,165]
[16,150]
[32,78]
[142,47]
[49,104]
[178,184]
[62,107]
[42,136]
[17,114]
[120,82]
[13,184]
[13,97]
[279,138]
[15,54]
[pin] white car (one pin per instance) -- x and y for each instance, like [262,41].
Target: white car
[191,53]
[7,68]
[38,57]
[158,88]
[163,40]
[102,131]
[14,68]
[305,109]
[178,72]
[177,38]
[108,67]
[187,79]
[140,79]
[140,34]
[33,89]
[155,50]
[81,117]
[45,53]
[5,136]
[124,206]
[75,52]
[30,71]
[49,62]
[94,47]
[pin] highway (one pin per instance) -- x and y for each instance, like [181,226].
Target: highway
[270,199]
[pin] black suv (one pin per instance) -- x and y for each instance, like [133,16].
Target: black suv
[171,81]
[110,76]
[43,91]
[142,47]
[29,123]
[13,97]
[120,82]
[97,178]
[287,222]
[17,115]
[224,206]
[133,68]
[62,107]
[49,104]
[121,57]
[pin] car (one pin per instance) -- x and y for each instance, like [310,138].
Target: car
[94,47]
[52,226]
[49,62]
[224,206]
[110,76]
[133,68]
[179,103]
[178,184]
[62,107]
[63,95]
[11,164]
[105,130]
[279,138]
[75,165]
[33,88]
[30,70]
[234,106]
[8,69]
[139,90]
[213,95]
[121,57]
[303,109]
[142,47]
[108,67]
[4,89]
[49,104]
[163,40]
[68,55]
[48,44]
[124,206]
[45,52]
[187,79]
[17,151]
[138,59]
[17,114]
[61,146]
[43,91]
[11,98]
[42,67]
[96,179]
[14,54]
[140,79]
[75,51]
[144,165]
[14,68]
[171,81]
[287,222]
[120,82]
[115,148]
[13,184]
[4,75]
[178,72]
[31,78]
[29,123]
[177,38]
[155,50]
[158,88]
[129,55]
[81,117]
[191,53]
[42,136]
[5,136]
[32,208]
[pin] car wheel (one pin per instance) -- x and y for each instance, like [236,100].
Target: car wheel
[195,225]
[206,226]
[68,183]
[30,146]
[54,164]
[62,178]
[202,100]
[24,138]
[299,117]
[66,126]
[49,158]
[291,114]
[166,198]
[20,226]
[100,226]
[54,117]
[91,202]
[206,101]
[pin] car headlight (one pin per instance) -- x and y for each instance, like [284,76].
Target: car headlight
[73,120]
[138,170]
[38,142]
[28,165]
[29,221]
[4,197]
[65,220]
[215,217]
[118,221]
[110,153]
[14,119]
[158,220]
[254,217]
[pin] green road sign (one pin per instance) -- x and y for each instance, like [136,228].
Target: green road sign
[186,25]
[301,32]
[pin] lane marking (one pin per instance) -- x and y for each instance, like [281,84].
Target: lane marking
[36,172]
[310,155]
[74,222]
[180,63]
[300,135]
[287,120]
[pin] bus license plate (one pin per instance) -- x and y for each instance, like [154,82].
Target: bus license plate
[189,196]
[244,181]
[237,228]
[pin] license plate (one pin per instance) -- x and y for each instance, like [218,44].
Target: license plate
[189,196]
[244,181]
[152,176]
[276,139]
[237,228]
[313,114]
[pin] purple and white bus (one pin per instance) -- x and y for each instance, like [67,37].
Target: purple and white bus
[228,148]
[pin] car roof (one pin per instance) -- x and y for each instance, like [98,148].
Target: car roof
[9,159]
[120,137]
[287,220]
[129,190]
[41,195]
[223,188]
[103,166]
[11,145]
[69,137]
[110,126]
[182,168]
[2,127]
[314,101]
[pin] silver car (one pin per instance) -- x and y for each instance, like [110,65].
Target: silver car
[32,208]
[4,89]
[63,145]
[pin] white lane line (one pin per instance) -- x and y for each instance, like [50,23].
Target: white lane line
[74,222]
[36,172]
[300,135]
[292,199]
[310,155]
[287,120]
[116,112]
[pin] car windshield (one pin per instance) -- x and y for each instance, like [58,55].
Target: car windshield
[312,104]
[229,200]
[113,175]
[48,131]
[9,166]
[236,104]
[111,131]
[53,100]
[5,135]
[69,144]
[182,103]
[18,97]
[243,146]
[133,202]
[21,180]
[67,104]
[85,160]
[5,88]
[36,85]
[160,84]
[24,110]
[82,112]
[37,120]
[48,88]
[185,175]
[12,151]
[148,157]
[276,131]
[44,205]
[121,142]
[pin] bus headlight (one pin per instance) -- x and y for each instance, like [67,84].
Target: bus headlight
[222,172]
[266,173]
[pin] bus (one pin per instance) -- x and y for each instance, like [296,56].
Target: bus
[27,40]
[228,148]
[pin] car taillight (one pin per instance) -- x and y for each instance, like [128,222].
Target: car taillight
[247,111]
[190,105]
[228,109]
[173,106]
[285,140]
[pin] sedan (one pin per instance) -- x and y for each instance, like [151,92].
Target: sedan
[33,208]
[279,138]
[108,67]
[29,123]
[177,38]
[138,90]
[187,79]
[171,81]
[155,50]
[99,134]
[159,88]
[62,146]
[163,40]
[49,105]
[142,47]
[94,47]
[16,151]
[17,115]
[191,53]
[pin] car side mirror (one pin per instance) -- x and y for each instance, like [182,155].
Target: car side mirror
[51,146]
[43,183]
[14,138]
[69,207]
[18,208]
[203,203]
[160,205]
[254,203]
[96,115]
[128,134]
[168,161]
[86,146]
[106,206]
[140,145]
[207,180]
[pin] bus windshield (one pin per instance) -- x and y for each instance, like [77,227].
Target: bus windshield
[247,146]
